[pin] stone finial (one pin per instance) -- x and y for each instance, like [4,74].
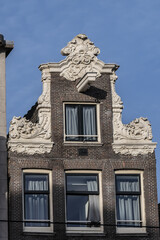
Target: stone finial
[82,45]
[81,58]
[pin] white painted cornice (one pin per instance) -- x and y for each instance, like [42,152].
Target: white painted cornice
[57,67]
[133,138]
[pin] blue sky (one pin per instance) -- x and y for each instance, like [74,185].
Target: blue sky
[127,33]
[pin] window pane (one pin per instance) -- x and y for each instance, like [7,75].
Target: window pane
[36,208]
[80,122]
[77,209]
[128,209]
[36,182]
[72,122]
[82,183]
[89,122]
[127,183]
[83,205]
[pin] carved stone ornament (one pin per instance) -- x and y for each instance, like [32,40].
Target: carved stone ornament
[133,138]
[81,58]
[28,137]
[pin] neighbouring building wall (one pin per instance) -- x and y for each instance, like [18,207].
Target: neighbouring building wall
[5,48]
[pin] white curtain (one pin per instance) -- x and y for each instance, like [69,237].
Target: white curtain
[89,122]
[128,208]
[71,121]
[36,205]
[127,186]
[128,205]
[93,213]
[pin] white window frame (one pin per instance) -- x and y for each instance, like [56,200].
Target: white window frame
[133,230]
[97,122]
[93,229]
[39,229]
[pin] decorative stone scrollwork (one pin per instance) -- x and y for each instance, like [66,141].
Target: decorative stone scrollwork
[139,129]
[31,149]
[116,100]
[133,149]
[133,138]
[81,58]
[21,128]
[28,137]
[44,99]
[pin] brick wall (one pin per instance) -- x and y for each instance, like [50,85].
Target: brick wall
[66,157]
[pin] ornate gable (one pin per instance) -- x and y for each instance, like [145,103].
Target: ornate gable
[81,63]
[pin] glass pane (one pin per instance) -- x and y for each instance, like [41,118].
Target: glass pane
[77,209]
[36,208]
[89,122]
[126,183]
[71,122]
[82,183]
[128,209]
[80,122]
[36,182]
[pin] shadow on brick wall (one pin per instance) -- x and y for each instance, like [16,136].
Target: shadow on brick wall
[96,93]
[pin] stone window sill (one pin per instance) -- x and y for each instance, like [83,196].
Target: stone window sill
[83,144]
[86,234]
[39,233]
[132,234]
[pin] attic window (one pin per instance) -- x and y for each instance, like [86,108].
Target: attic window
[81,122]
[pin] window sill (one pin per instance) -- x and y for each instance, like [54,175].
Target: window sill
[81,231]
[131,232]
[39,233]
[84,144]
[86,234]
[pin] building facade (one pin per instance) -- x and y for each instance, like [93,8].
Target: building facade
[5,49]
[76,171]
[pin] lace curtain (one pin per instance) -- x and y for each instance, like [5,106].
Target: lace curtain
[36,205]
[128,207]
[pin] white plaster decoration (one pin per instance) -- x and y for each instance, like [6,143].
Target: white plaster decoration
[134,149]
[85,82]
[21,128]
[44,99]
[116,100]
[24,147]
[59,67]
[133,138]
[28,137]
[81,58]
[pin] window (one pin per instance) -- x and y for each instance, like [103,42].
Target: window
[83,201]
[129,202]
[37,202]
[81,122]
